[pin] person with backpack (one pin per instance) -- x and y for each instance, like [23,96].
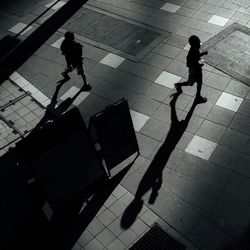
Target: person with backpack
[72,51]
[195,67]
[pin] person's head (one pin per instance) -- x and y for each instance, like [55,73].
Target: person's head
[69,36]
[194,41]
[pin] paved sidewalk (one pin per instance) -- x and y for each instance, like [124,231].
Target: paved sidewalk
[204,199]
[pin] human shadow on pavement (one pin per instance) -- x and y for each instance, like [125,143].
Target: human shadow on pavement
[66,228]
[152,178]
[52,110]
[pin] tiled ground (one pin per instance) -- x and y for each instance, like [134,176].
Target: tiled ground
[204,195]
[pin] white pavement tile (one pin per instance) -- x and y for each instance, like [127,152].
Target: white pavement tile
[167,79]
[72,92]
[218,20]
[201,147]
[112,60]
[57,43]
[56,6]
[138,119]
[170,7]
[20,26]
[230,102]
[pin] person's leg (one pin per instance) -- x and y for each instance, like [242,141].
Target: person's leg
[81,72]
[199,85]
[66,71]
[189,82]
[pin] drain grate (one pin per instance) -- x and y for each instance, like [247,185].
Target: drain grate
[157,238]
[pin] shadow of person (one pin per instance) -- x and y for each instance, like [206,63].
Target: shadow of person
[52,110]
[152,178]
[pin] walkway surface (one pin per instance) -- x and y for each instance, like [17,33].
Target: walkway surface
[137,49]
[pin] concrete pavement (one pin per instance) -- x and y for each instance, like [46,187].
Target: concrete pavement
[203,200]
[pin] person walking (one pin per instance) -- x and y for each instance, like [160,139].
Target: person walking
[72,51]
[195,67]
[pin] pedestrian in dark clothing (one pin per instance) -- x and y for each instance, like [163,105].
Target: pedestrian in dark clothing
[72,51]
[195,67]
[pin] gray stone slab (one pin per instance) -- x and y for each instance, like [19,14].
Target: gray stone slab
[227,226]
[234,140]
[211,131]
[245,108]
[211,93]
[158,92]
[175,211]
[241,123]
[146,106]
[146,144]
[210,238]
[217,81]
[225,157]
[220,116]
[237,88]
[231,207]
[177,41]
[229,52]
[177,68]
[155,129]
[201,110]
[202,170]
[148,72]
[200,195]
[93,104]
[243,166]
[238,185]
[194,123]
[163,113]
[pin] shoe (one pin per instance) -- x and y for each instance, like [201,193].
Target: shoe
[65,76]
[201,99]
[178,88]
[86,87]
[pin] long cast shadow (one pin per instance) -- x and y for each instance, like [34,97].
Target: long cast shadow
[152,178]
[53,111]
[65,229]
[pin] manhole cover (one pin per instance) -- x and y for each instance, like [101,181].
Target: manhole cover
[108,31]
[229,51]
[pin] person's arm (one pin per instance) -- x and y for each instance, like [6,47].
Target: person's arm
[203,53]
